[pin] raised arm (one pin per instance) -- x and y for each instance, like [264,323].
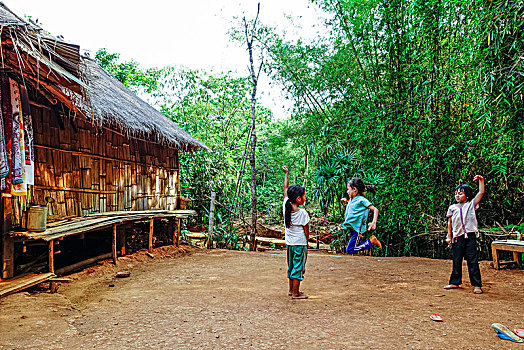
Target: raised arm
[479,195]
[286,180]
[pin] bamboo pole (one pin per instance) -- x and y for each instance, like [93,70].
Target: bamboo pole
[114,245]
[70,189]
[211,221]
[51,257]
[150,245]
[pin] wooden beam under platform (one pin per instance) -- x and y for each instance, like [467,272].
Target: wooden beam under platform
[19,283]
[83,263]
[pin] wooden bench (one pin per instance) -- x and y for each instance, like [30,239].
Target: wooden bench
[511,245]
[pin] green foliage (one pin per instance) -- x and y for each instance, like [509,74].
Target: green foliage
[429,93]
[129,73]
[331,175]
[215,109]
[413,96]
[225,234]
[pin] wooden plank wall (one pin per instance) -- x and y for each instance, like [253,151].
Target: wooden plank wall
[101,170]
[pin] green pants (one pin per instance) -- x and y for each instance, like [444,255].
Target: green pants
[296,261]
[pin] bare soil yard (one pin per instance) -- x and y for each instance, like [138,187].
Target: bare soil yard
[199,299]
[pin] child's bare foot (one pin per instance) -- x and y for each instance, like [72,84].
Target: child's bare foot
[375,241]
[451,286]
[291,293]
[477,290]
[300,296]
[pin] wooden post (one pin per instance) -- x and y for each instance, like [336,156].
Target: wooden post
[516,259]
[8,254]
[7,246]
[211,221]
[174,233]
[53,287]
[495,254]
[150,246]
[178,224]
[113,245]
[51,256]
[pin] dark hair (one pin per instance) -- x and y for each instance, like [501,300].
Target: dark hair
[293,192]
[467,191]
[359,185]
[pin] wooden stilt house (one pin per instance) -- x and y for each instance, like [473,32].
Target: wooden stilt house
[98,153]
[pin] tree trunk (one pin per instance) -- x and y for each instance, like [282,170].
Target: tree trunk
[253,190]
[250,37]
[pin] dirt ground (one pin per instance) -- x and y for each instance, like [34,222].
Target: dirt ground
[213,299]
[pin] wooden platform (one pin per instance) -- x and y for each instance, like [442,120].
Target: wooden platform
[78,225]
[19,283]
[512,245]
[94,222]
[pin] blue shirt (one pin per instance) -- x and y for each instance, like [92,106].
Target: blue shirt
[357,214]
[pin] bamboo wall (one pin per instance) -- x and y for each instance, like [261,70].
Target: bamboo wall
[89,169]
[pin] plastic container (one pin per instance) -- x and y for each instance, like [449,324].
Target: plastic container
[37,218]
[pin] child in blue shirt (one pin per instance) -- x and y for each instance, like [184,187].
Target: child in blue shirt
[356,214]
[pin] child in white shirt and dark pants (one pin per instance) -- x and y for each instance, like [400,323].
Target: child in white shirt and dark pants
[463,234]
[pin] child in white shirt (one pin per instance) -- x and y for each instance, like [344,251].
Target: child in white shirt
[463,234]
[296,220]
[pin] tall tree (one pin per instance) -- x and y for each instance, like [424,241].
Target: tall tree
[250,33]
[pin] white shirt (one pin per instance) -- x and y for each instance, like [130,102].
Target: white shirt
[295,234]
[468,222]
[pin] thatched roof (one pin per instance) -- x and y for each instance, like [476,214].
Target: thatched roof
[32,51]
[8,17]
[57,69]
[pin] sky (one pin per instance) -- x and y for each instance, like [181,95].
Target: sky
[156,33]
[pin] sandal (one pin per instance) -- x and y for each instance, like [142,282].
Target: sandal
[477,290]
[504,333]
[451,286]
[436,317]
[519,332]
[300,296]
